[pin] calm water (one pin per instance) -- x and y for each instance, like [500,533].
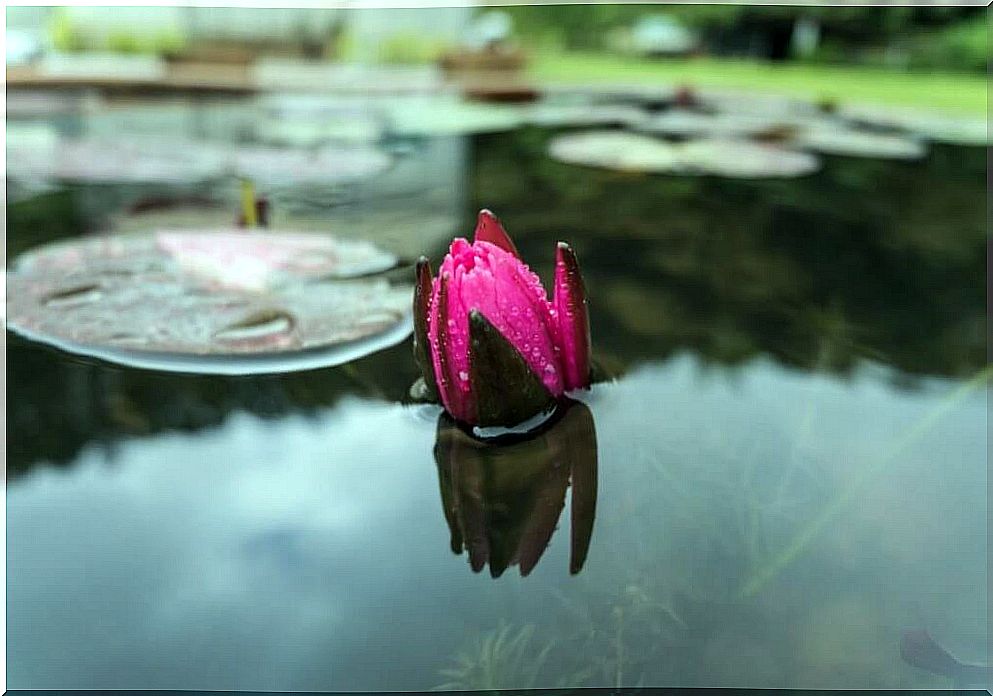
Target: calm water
[789,466]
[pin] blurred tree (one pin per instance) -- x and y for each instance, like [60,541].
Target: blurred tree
[736,29]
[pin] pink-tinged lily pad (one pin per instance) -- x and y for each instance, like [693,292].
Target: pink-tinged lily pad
[717,157]
[226,302]
[839,140]
[392,229]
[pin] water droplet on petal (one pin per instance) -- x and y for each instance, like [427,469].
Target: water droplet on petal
[463,375]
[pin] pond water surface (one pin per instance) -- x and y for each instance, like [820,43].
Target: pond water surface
[789,460]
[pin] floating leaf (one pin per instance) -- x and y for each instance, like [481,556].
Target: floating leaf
[117,160]
[437,117]
[744,159]
[616,150]
[718,157]
[327,165]
[218,302]
[406,231]
[310,119]
[935,126]
[582,114]
[152,159]
[690,123]
[838,140]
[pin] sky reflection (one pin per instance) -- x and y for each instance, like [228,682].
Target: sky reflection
[300,553]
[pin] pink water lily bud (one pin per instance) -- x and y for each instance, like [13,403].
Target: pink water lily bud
[490,343]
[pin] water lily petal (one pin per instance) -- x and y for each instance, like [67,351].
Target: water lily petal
[489,229]
[448,336]
[512,298]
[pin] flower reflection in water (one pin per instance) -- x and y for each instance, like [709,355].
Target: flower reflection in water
[502,498]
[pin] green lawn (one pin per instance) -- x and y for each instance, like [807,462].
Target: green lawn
[961,92]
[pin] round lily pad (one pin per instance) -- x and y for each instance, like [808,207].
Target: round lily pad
[311,119]
[118,160]
[178,161]
[691,123]
[838,140]
[406,231]
[935,126]
[750,104]
[616,150]
[743,159]
[718,157]
[439,117]
[578,114]
[327,165]
[225,302]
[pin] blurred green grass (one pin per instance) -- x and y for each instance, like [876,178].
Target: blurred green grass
[959,92]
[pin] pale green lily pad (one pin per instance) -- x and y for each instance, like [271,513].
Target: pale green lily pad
[312,132]
[689,123]
[838,140]
[718,157]
[616,150]
[579,114]
[326,165]
[749,104]
[225,302]
[153,159]
[116,160]
[742,159]
[443,117]
[935,126]
[309,120]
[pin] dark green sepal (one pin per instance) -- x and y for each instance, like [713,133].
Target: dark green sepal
[422,354]
[506,390]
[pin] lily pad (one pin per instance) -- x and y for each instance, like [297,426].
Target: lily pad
[751,104]
[407,231]
[443,117]
[117,160]
[742,159]
[326,165]
[935,126]
[691,123]
[310,132]
[719,157]
[224,302]
[573,114]
[616,150]
[152,159]
[838,140]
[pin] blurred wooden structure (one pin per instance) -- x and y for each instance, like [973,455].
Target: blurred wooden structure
[493,74]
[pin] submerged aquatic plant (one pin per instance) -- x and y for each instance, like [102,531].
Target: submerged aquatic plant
[499,659]
[491,346]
